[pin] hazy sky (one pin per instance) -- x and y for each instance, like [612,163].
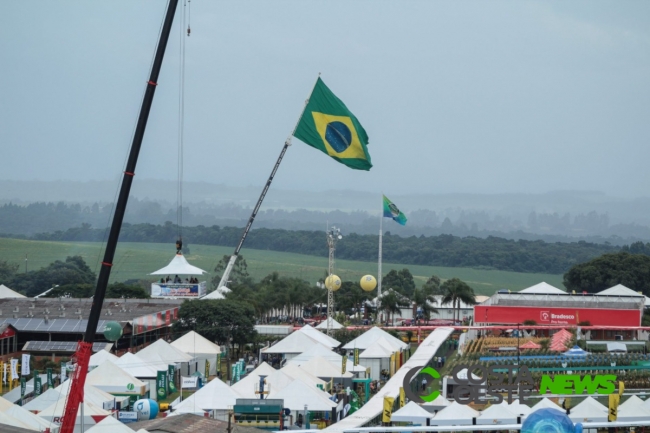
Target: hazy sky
[487,97]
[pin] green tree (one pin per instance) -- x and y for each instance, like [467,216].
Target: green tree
[401,281]
[433,285]
[454,292]
[238,275]
[630,270]
[422,298]
[121,290]
[72,271]
[391,302]
[7,271]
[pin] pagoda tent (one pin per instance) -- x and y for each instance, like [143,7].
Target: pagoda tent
[322,368]
[295,371]
[455,414]
[29,418]
[220,293]
[112,379]
[543,288]
[109,425]
[377,358]
[530,345]
[545,403]
[44,400]
[201,348]
[436,404]
[179,266]
[292,345]
[248,385]
[368,338]
[519,409]
[92,414]
[6,292]
[576,351]
[325,340]
[101,356]
[334,324]
[314,351]
[215,397]
[155,361]
[349,366]
[589,410]
[633,409]
[412,413]
[497,414]
[6,419]
[170,355]
[297,395]
[94,395]
[621,290]
[136,366]
[275,381]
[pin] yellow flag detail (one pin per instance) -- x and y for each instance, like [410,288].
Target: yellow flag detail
[388,409]
[613,406]
[402,397]
[331,137]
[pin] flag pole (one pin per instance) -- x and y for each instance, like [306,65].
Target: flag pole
[381,235]
[287,143]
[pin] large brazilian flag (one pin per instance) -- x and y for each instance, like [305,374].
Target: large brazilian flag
[330,127]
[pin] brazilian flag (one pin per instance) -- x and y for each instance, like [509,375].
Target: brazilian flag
[330,127]
[392,211]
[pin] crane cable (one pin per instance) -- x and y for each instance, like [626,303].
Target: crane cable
[181,122]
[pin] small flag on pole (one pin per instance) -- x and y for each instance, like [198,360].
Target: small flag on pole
[392,211]
[329,126]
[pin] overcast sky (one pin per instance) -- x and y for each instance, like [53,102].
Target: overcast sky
[486,97]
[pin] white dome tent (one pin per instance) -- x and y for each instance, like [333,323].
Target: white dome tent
[199,347]
[173,286]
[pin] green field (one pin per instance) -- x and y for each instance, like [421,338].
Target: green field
[136,260]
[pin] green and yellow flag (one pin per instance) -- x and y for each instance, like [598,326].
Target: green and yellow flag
[392,211]
[330,127]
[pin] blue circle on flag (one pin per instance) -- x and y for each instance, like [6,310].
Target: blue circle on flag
[338,136]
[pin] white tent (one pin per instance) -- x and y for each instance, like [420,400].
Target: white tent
[292,345]
[161,351]
[314,351]
[109,425]
[275,381]
[214,396]
[322,368]
[27,417]
[15,422]
[220,293]
[199,347]
[411,412]
[92,414]
[369,337]
[112,379]
[589,410]
[325,340]
[101,356]
[298,394]
[633,409]
[14,395]
[436,404]
[334,324]
[497,414]
[616,347]
[455,414]
[545,403]
[249,383]
[519,409]
[293,370]
[6,292]
[44,400]
[621,290]
[377,357]
[136,366]
[93,395]
[543,288]
[179,266]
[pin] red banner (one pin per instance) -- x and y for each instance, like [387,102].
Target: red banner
[556,316]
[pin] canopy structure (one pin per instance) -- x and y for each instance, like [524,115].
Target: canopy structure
[14,395]
[214,396]
[101,356]
[497,414]
[6,292]
[543,288]
[576,351]
[324,369]
[530,345]
[109,425]
[298,394]
[545,403]
[112,379]
[334,324]
[248,385]
[92,414]
[325,340]
[25,416]
[519,409]
[92,394]
[166,351]
[278,380]
[412,413]
[369,337]
[199,347]
[136,366]
[455,414]
[295,371]
[589,410]
[220,293]
[292,345]
[633,409]
[179,266]
[621,290]
[44,400]
[313,352]
[15,422]
[436,404]
[616,348]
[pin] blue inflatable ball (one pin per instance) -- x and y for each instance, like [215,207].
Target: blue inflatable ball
[547,421]
[578,428]
[146,409]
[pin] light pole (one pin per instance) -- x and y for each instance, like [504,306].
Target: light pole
[518,349]
[333,235]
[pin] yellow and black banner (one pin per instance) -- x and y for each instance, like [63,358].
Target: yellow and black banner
[388,409]
[402,397]
[613,407]
[356,356]
[344,361]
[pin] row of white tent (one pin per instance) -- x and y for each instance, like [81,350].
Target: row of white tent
[453,413]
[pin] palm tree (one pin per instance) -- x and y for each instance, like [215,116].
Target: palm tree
[456,291]
[422,299]
[390,302]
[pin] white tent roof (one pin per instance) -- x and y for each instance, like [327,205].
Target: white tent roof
[109,425]
[620,289]
[323,324]
[111,378]
[155,361]
[519,409]
[296,342]
[497,414]
[136,366]
[101,356]
[373,334]
[455,414]
[545,403]
[325,340]
[92,394]
[29,418]
[320,367]
[298,373]
[220,293]
[275,381]
[633,409]
[193,342]
[44,400]
[616,347]
[247,386]
[179,266]
[412,412]
[6,292]
[437,403]
[215,395]
[349,366]
[589,410]
[314,351]
[14,395]
[10,420]
[543,288]
[164,350]
[278,381]
[298,394]
[380,349]
[90,409]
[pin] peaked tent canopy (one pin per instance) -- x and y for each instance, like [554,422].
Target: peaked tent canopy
[314,351]
[545,403]
[6,419]
[6,292]
[322,368]
[633,409]
[215,395]
[543,288]
[194,344]
[436,404]
[248,384]
[576,351]
[112,379]
[325,340]
[621,290]
[373,334]
[109,425]
[323,324]
[530,345]
[295,371]
[166,351]
[92,394]
[412,412]
[179,266]
[101,356]
[136,366]
[44,400]
[519,409]
[589,410]
[455,414]
[294,343]
[298,394]
[27,417]
[497,414]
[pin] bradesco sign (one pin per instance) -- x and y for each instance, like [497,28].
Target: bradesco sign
[471,384]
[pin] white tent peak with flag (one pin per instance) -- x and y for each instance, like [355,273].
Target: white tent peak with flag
[179,266]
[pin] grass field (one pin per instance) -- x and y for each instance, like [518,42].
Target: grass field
[137,260]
